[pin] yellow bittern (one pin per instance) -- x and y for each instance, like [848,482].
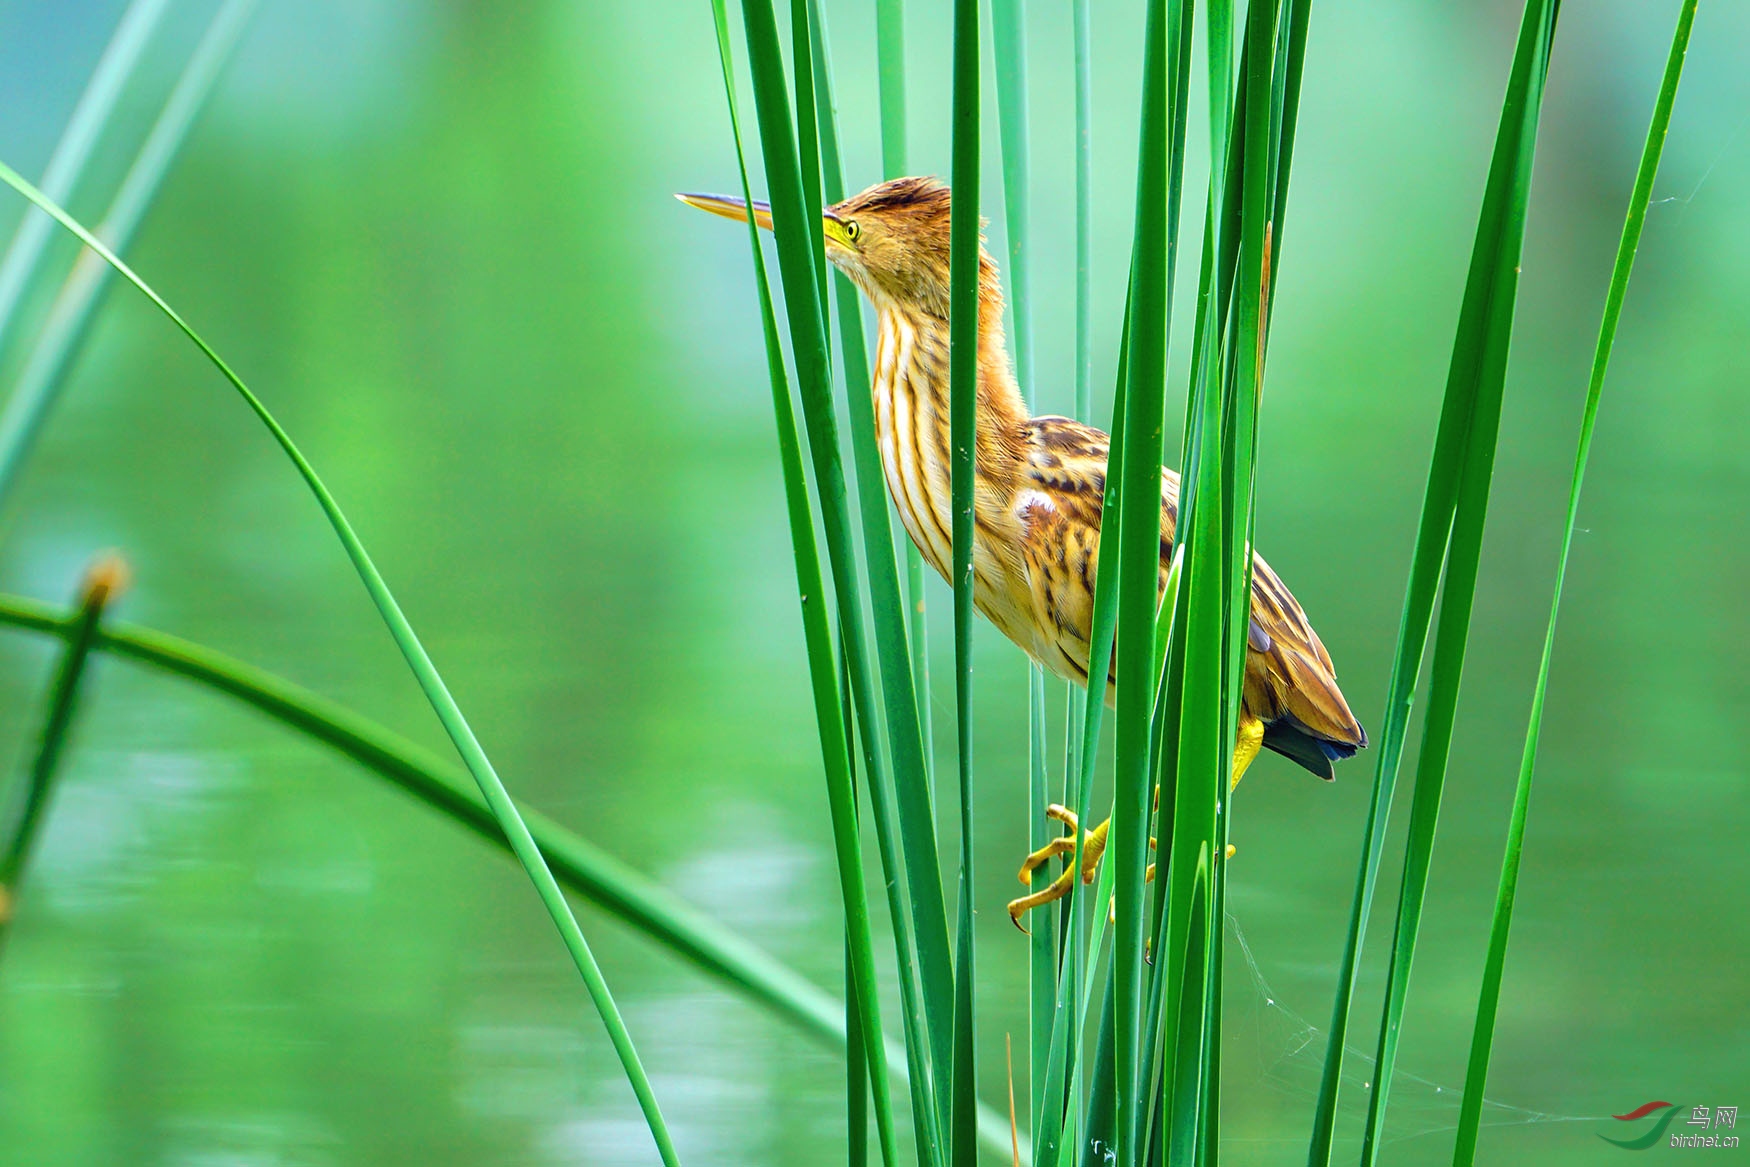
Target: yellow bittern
[1039,486]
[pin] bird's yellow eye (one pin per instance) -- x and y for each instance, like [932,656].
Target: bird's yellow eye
[852,230]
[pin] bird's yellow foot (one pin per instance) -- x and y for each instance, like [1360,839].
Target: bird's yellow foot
[1093,846]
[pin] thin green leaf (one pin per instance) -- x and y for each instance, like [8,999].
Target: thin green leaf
[627,895]
[1489,996]
[890,68]
[884,588]
[914,884]
[1243,383]
[1009,43]
[1097,1140]
[92,113]
[461,734]
[857,1080]
[807,131]
[1082,38]
[831,718]
[963,372]
[45,370]
[1083,407]
[1137,564]
[1063,1074]
[1477,378]
[1199,702]
[1008,19]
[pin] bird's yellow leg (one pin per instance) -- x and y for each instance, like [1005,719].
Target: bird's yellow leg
[1093,846]
[1251,741]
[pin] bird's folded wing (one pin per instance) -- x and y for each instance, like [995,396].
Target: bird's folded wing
[1288,672]
[1292,674]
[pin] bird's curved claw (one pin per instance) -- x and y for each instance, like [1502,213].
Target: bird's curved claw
[1093,847]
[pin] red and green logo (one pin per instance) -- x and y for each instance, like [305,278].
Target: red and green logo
[1667,1112]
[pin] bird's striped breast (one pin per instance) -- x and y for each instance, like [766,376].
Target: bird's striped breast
[911,398]
[911,426]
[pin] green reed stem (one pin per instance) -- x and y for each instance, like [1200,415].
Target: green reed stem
[890,70]
[831,716]
[1009,42]
[963,351]
[629,896]
[1489,996]
[103,583]
[884,592]
[1082,51]
[1139,532]
[908,844]
[1457,502]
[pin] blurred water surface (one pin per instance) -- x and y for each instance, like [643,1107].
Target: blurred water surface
[438,239]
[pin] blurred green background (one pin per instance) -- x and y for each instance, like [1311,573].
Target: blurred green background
[438,240]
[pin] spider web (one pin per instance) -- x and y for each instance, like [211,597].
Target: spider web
[1290,1055]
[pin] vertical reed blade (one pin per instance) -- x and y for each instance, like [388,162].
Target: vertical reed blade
[871,488]
[1489,995]
[1448,537]
[908,841]
[963,254]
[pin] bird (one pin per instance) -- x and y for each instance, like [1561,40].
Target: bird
[1039,482]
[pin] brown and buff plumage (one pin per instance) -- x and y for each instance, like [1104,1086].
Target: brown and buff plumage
[1039,485]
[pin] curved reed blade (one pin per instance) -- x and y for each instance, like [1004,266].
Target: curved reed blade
[1009,43]
[808,137]
[890,69]
[1489,996]
[461,734]
[1059,1130]
[1081,39]
[627,895]
[1480,357]
[884,593]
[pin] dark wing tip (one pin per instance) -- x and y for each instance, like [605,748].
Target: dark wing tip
[1311,751]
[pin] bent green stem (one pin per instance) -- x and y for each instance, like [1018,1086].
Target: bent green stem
[102,584]
[461,734]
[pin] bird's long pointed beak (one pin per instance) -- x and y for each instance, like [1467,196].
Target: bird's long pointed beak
[729,207]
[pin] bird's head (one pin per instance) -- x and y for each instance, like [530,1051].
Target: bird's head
[891,240]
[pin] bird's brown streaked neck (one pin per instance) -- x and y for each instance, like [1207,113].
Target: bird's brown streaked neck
[910,387]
